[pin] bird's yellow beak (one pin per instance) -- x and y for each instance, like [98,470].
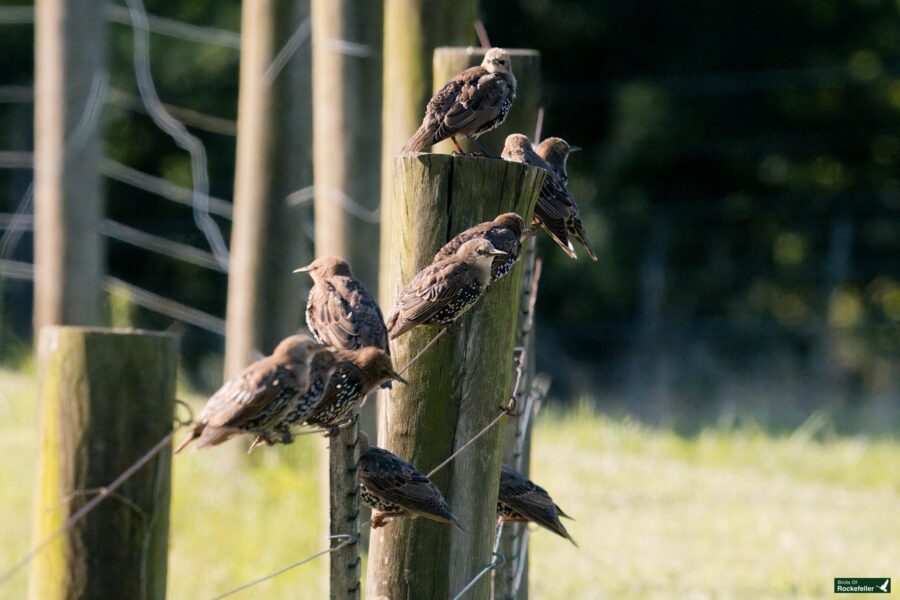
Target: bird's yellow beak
[305,269]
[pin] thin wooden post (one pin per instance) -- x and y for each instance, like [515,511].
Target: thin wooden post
[517,440]
[347,137]
[107,397]
[343,512]
[526,66]
[412,30]
[458,386]
[69,76]
[273,160]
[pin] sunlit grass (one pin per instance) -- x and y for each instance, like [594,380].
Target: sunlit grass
[727,513]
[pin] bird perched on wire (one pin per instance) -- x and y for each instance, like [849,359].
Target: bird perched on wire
[394,488]
[321,368]
[357,373]
[340,311]
[523,501]
[441,292]
[556,152]
[506,233]
[471,104]
[555,210]
[255,400]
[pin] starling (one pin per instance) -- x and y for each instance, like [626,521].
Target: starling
[340,311]
[556,210]
[472,103]
[521,500]
[504,233]
[356,373]
[556,152]
[445,289]
[255,400]
[394,488]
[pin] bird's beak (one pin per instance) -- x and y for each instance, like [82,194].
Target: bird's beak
[574,148]
[396,377]
[496,252]
[305,269]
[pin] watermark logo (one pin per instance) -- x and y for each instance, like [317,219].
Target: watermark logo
[862,585]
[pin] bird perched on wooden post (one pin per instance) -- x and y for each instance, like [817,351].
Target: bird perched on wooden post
[521,500]
[255,400]
[555,210]
[472,103]
[445,289]
[340,311]
[394,488]
[357,373]
[506,233]
[556,152]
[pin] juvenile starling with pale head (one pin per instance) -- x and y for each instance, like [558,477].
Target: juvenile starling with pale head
[394,488]
[340,311]
[441,292]
[357,373]
[472,103]
[556,152]
[523,501]
[255,400]
[555,210]
[504,233]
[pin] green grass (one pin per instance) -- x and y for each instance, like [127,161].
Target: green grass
[723,514]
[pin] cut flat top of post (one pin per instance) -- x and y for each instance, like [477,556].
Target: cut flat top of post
[477,50]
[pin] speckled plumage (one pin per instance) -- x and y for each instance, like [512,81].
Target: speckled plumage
[472,103]
[555,210]
[255,400]
[521,500]
[356,373]
[504,233]
[395,488]
[441,292]
[340,311]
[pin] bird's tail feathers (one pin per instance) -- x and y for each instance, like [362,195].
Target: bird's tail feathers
[195,432]
[420,141]
[561,240]
[582,238]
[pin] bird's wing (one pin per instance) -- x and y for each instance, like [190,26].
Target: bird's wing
[245,396]
[398,482]
[478,101]
[431,290]
[530,500]
[450,248]
[346,316]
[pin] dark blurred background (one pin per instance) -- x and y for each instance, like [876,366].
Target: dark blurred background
[739,180]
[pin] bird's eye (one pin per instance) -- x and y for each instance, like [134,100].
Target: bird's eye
[502,62]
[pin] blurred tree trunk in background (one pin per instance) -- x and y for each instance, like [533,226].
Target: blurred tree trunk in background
[269,239]
[412,30]
[70,81]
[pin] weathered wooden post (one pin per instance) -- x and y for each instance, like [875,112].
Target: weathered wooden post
[458,386]
[412,30]
[526,66]
[273,161]
[343,513]
[69,86]
[107,397]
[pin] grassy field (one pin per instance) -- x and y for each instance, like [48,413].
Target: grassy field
[722,514]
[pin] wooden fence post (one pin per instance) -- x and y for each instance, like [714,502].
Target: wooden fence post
[458,386]
[273,160]
[69,87]
[107,397]
[412,30]
[526,66]
[343,513]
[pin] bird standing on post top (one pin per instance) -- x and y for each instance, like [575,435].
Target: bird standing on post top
[523,501]
[504,233]
[555,210]
[357,373]
[441,292]
[255,400]
[472,103]
[394,488]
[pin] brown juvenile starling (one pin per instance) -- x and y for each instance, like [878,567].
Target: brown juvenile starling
[556,210]
[504,233]
[255,400]
[472,103]
[394,488]
[340,311]
[357,373]
[445,289]
[556,152]
[521,500]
